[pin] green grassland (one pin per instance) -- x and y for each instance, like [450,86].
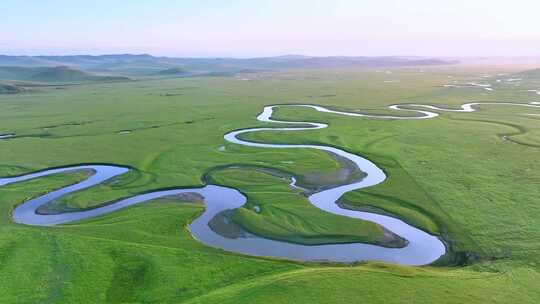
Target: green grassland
[454,176]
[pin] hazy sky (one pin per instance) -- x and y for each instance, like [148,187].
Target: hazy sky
[245,28]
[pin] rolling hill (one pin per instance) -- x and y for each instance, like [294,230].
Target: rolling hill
[173,72]
[6,88]
[58,74]
[531,74]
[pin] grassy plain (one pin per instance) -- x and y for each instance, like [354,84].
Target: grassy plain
[454,176]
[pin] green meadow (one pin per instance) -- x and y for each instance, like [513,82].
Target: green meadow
[470,178]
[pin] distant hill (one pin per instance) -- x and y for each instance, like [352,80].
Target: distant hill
[173,72]
[142,65]
[58,74]
[531,74]
[6,88]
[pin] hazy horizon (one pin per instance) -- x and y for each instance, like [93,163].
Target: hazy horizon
[245,29]
[465,58]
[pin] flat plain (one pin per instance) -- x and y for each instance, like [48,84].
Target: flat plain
[470,178]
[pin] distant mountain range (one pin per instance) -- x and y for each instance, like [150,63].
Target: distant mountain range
[140,65]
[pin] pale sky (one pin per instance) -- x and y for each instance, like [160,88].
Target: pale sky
[244,28]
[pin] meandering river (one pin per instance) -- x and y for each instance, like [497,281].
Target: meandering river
[422,248]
